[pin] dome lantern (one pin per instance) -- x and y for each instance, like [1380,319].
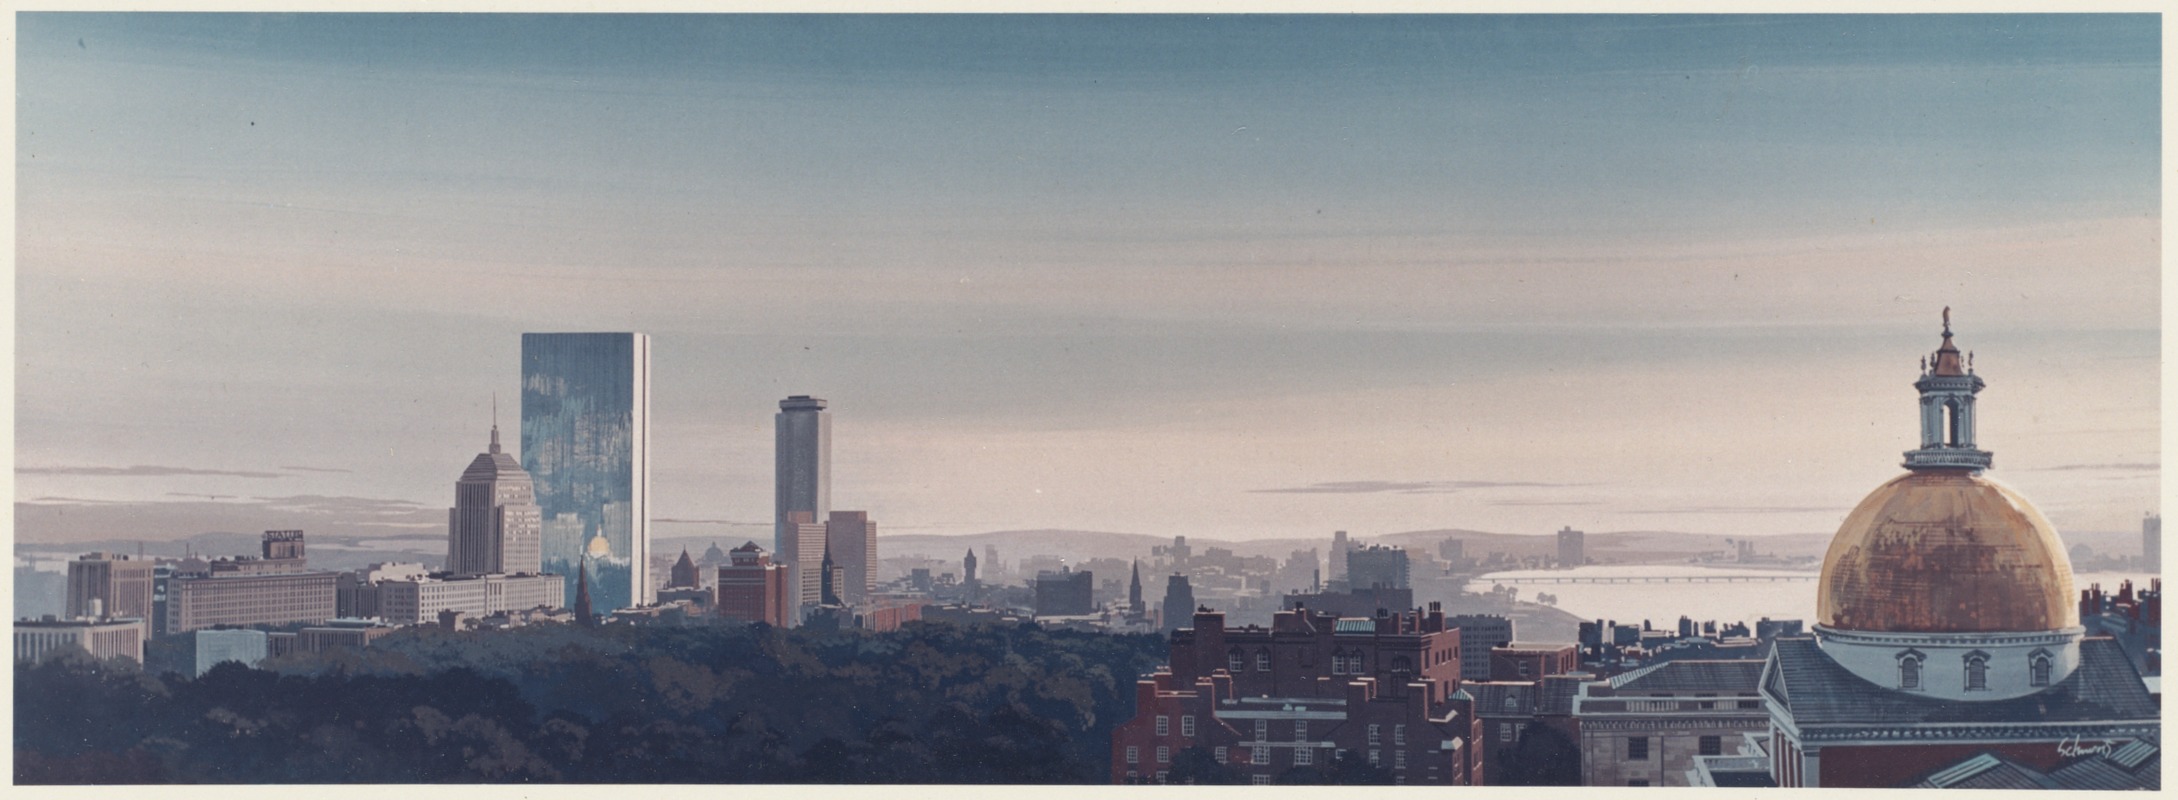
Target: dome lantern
[1948,385]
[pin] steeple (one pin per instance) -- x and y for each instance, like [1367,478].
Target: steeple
[828,594]
[1948,385]
[495,422]
[1134,589]
[583,614]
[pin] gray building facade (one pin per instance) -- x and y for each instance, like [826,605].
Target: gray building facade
[803,486]
[586,447]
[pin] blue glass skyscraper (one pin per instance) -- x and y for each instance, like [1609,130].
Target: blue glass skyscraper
[586,445]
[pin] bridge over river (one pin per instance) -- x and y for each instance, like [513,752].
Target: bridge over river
[1779,578]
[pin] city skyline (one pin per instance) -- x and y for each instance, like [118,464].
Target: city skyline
[1221,277]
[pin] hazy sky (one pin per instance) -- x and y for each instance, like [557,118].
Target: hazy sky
[1226,276]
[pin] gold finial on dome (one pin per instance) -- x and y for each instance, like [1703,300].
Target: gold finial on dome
[1947,356]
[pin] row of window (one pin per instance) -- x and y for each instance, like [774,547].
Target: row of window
[1187,725]
[1637,747]
[2039,665]
[1302,756]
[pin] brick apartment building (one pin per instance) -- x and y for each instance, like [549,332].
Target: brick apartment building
[1274,703]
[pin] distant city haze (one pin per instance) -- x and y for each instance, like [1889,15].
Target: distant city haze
[1237,277]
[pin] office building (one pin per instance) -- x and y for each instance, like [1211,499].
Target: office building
[275,589]
[495,525]
[1339,546]
[243,646]
[2151,543]
[115,584]
[415,601]
[852,539]
[101,638]
[1179,605]
[1572,548]
[752,589]
[586,447]
[1947,630]
[1065,593]
[1479,634]
[803,534]
[1376,567]
[356,594]
[802,487]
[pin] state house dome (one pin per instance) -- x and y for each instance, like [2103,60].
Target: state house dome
[1946,551]
[1943,582]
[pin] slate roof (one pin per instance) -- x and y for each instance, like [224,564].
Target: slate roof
[1738,675]
[1490,697]
[1555,697]
[1986,771]
[2133,766]
[1820,692]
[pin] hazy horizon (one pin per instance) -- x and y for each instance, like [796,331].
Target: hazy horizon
[1239,277]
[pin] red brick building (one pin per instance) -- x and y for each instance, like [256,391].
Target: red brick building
[752,588]
[1527,661]
[1284,703]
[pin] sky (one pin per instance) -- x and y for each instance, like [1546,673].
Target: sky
[1227,276]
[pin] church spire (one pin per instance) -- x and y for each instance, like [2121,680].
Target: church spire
[1947,387]
[1134,589]
[583,614]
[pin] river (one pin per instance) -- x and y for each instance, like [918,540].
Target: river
[1663,603]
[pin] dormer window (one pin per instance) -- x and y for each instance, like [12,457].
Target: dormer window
[2039,665]
[1909,670]
[1977,671]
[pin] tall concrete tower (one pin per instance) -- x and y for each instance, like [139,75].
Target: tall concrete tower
[495,525]
[804,486]
[586,445]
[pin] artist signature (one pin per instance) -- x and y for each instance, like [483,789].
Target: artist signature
[2070,748]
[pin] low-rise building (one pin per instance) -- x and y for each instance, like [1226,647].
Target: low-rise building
[1646,727]
[101,638]
[416,601]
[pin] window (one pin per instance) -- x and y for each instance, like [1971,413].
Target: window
[1260,780]
[1523,669]
[1977,671]
[1506,731]
[1712,745]
[1134,755]
[1164,755]
[1354,664]
[1262,660]
[1300,730]
[1338,663]
[1303,756]
[1376,734]
[1512,703]
[1399,759]
[1745,704]
[1262,730]
[1637,748]
[1187,725]
[1160,776]
[2038,664]
[1133,776]
[1219,756]
[1374,757]
[1164,725]
[1259,755]
[1399,734]
[1232,660]
[1909,673]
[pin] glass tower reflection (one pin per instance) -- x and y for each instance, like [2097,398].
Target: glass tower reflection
[585,443]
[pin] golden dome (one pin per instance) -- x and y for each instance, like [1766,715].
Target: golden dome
[1946,551]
